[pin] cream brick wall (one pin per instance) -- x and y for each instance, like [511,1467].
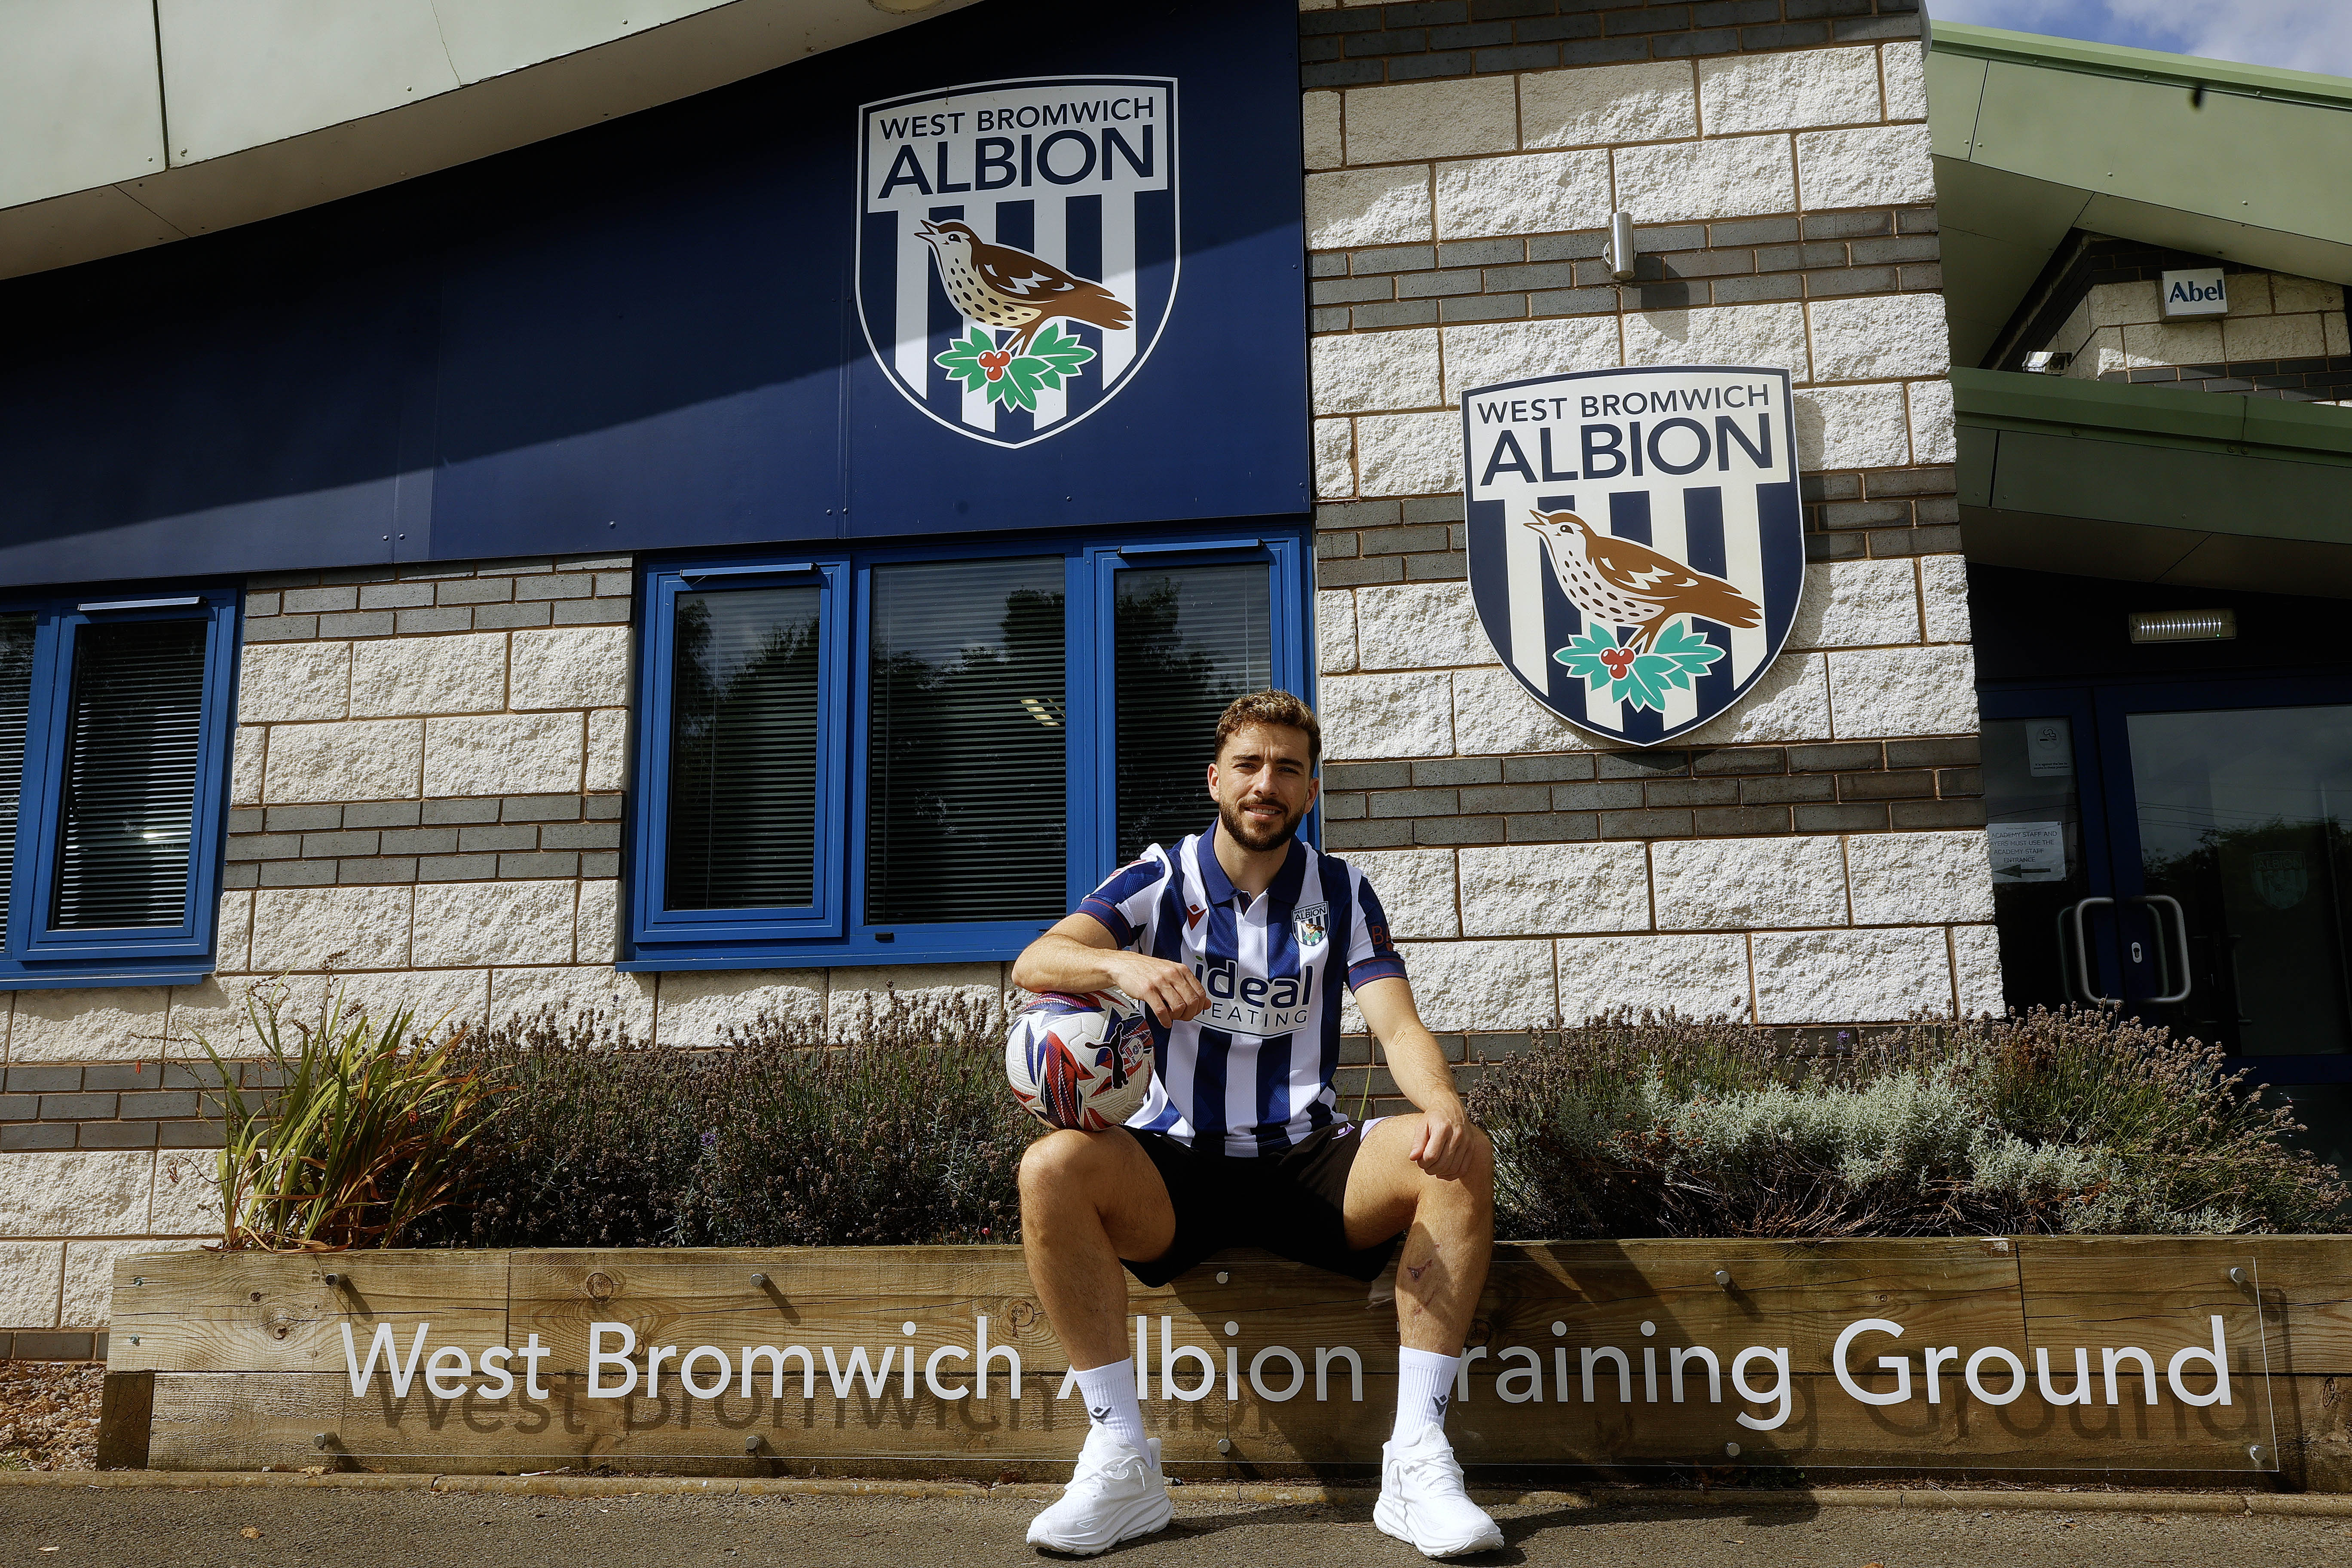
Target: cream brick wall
[1805,927]
[2121,327]
[1669,142]
[410,729]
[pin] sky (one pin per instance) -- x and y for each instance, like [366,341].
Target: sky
[2301,35]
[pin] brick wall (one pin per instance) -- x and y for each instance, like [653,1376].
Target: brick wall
[2284,336]
[1815,857]
[1357,45]
[428,784]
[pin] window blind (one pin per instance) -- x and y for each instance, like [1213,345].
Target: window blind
[1189,639]
[15,695]
[133,733]
[966,791]
[743,733]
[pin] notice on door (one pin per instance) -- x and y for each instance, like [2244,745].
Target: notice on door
[2028,851]
[2049,749]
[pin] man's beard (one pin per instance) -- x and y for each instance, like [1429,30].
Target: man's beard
[1237,826]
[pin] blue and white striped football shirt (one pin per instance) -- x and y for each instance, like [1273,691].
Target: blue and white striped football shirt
[1256,1069]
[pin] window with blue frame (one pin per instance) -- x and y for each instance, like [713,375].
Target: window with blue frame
[898,756]
[114,719]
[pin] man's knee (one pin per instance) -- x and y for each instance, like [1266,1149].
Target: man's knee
[1477,1174]
[1062,1161]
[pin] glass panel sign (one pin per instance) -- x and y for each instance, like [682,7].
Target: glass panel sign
[2034,832]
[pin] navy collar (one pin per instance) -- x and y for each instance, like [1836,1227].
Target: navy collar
[1283,891]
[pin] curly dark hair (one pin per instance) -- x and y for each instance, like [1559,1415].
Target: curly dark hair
[1272,706]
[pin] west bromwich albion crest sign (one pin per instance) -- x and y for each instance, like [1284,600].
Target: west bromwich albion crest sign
[1017,246]
[1636,546]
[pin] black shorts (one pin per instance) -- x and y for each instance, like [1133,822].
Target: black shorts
[1293,1203]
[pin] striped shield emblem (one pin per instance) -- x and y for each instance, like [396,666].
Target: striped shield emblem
[1017,247]
[1636,545]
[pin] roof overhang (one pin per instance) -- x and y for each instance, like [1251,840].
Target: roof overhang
[2105,479]
[130,123]
[2034,137]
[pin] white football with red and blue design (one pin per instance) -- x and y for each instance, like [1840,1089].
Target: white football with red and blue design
[1080,1061]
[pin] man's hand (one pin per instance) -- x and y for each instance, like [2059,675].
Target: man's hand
[1444,1147]
[1170,990]
[1078,954]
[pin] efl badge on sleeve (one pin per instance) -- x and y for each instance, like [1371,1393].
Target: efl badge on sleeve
[1636,546]
[1017,246]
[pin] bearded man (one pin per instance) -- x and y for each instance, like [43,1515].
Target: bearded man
[1238,941]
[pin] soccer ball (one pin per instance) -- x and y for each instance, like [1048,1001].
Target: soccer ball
[1081,1060]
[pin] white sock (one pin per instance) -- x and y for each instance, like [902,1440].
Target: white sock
[1111,1404]
[1424,1387]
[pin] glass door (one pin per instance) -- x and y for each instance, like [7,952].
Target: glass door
[2179,851]
[2239,817]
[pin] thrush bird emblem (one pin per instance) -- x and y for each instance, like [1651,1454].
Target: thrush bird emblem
[1000,287]
[1625,582]
[1618,583]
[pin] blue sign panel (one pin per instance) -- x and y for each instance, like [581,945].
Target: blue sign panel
[927,284]
[1636,546]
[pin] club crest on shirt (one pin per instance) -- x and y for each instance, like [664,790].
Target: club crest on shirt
[1313,923]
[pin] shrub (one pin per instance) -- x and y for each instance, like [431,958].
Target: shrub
[2069,1121]
[364,1133]
[779,1137]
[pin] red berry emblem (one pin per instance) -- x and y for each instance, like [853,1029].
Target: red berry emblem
[994,363]
[1617,659]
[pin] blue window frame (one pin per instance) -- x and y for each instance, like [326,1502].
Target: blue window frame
[115,707]
[930,754]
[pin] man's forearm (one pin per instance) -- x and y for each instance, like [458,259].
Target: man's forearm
[1421,1069]
[1055,962]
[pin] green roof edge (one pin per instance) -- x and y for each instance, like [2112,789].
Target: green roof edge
[2140,65]
[2154,416]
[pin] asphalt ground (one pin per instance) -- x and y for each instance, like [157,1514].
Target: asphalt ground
[148,1527]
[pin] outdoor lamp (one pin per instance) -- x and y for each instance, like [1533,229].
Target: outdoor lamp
[2183,625]
[1620,253]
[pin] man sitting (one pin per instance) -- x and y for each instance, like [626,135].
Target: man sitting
[1241,1141]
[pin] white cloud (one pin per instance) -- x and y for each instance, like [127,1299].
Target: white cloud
[2300,34]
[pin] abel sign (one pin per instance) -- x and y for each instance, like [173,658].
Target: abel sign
[1636,547]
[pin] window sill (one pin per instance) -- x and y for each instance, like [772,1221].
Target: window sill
[986,944]
[102,976]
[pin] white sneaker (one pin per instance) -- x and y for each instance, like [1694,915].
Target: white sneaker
[1422,1499]
[1117,1494]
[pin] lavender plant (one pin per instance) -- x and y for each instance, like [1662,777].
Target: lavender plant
[901,1132]
[2074,1121]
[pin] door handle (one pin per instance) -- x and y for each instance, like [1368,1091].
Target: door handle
[2082,950]
[2181,937]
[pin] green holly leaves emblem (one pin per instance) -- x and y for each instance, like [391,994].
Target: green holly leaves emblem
[1643,678]
[1052,357]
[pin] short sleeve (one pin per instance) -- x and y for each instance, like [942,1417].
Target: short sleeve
[1122,905]
[1370,954]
